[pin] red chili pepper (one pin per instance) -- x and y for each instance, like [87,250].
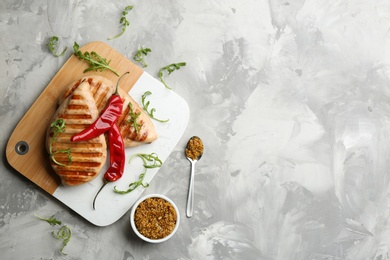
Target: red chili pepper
[106,120]
[117,158]
[117,155]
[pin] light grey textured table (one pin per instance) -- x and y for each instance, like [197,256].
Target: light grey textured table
[291,99]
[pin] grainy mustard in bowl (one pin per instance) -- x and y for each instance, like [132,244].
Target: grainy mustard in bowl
[154,218]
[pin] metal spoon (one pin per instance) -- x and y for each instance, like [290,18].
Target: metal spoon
[194,152]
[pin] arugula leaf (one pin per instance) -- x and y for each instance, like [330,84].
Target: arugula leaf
[139,56]
[51,220]
[64,233]
[123,21]
[169,68]
[149,161]
[58,126]
[133,185]
[52,44]
[146,107]
[95,61]
[133,118]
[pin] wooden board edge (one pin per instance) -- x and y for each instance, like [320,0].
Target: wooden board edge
[50,182]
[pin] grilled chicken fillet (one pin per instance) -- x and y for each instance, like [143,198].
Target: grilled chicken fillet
[87,157]
[102,89]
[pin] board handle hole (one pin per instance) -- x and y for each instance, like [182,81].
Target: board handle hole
[21,148]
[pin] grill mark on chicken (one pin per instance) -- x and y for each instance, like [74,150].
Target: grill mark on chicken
[76,117]
[78,126]
[87,157]
[79,157]
[79,166]
[90,145]
[102,96]
[127,128]
[102,89]
[71,89]
[77,107]
[94,86]
[125,113]
[76,174]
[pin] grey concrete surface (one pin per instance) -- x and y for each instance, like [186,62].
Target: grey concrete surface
[291,99]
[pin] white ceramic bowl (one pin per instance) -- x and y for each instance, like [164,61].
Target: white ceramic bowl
[132,212]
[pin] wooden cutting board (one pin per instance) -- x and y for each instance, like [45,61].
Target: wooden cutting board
[25,149]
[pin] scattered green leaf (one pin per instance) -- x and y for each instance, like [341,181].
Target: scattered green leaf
[58,126]
[51,220]
[169,68]
[123,21]
[64,233]
[149,161]
[95,61]
[139,56]
[133,185]
[133,118]
[52,44]
[146,107]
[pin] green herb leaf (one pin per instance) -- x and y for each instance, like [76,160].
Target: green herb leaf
[170,68]
[58,126]
[51,220]
[149,161]
[139,56]
[64,233]
[123,21]
[146,107]
[53,46]
[133,118]
[65,151]
[133,185]
[95,61]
